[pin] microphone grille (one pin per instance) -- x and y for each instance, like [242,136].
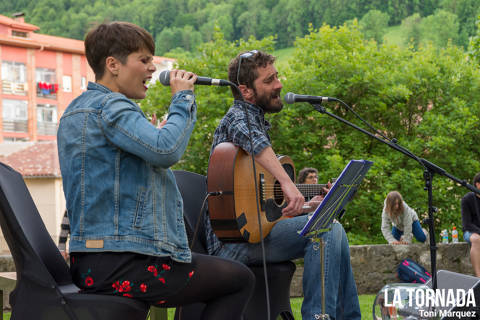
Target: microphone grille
[165,77]
[289,98]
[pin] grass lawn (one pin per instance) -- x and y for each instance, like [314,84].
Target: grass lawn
[366,302]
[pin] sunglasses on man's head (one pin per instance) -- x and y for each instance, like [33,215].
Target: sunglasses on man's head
[245,55]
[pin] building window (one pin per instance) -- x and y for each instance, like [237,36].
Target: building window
[14,75]
[46,119]
[15,115]
[67,84]
[20,34]
[46,83]
[83,83]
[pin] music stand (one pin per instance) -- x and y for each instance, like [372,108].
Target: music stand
[337,198]
[331,207]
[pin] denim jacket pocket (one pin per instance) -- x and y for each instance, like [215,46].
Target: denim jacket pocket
[139,208]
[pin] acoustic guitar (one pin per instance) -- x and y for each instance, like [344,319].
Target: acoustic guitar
[233,208]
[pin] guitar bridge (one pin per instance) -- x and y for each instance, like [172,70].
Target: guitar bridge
[262,191]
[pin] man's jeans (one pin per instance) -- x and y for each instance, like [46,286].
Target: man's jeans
[284,243]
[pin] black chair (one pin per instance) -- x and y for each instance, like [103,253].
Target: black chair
[44,288]
[193,188]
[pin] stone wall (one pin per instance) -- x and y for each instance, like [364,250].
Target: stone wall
[6,265]
[375,265]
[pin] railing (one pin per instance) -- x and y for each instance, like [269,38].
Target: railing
[17,88]
[15,126]
[47,128]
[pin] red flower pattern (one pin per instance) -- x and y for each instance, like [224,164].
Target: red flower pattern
[124,287]
[166,267]
[88,281]
[153,269]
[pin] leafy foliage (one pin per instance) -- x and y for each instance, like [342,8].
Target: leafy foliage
[374,24]
[426,99]
[186,23]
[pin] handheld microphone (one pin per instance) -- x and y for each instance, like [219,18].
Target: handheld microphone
[165,80]
[292,98]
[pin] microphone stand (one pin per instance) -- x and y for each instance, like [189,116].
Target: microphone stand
[430,169]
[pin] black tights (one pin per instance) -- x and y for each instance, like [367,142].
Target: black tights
[224,285]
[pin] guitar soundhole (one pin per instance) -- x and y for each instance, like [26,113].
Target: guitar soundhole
[278,193]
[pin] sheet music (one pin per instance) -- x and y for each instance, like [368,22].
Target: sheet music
[337,198]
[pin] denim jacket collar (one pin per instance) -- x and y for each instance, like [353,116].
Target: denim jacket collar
[98,86]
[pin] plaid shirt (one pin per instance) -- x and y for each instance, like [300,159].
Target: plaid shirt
[233,128]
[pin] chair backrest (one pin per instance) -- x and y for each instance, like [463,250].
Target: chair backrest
[193,188]
[35,254]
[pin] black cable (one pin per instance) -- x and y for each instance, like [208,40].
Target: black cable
[264,259]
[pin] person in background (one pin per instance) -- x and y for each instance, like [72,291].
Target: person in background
[128,236]
[471,224]
[400,222]
[308,176]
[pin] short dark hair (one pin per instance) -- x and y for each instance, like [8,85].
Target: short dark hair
[303,174]
[248,69]
[476,179]
[115,39]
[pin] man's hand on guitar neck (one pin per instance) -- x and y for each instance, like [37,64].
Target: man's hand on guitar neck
[315,201]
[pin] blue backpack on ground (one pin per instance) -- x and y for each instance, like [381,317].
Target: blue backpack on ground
[410,271]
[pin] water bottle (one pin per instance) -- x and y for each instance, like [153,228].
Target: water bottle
[444,235]
[454,234]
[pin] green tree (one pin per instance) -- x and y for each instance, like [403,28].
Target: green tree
[466,11]
[412,29]
[425,98]
[374,24]
[441,28]
[474,44]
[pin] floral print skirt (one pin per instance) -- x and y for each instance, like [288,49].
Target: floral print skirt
[147,278]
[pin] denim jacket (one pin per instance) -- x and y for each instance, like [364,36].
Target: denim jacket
[120,193]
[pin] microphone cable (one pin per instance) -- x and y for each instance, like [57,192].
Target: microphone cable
[197,225]
[257,200]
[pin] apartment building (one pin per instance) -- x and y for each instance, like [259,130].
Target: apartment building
[41,74]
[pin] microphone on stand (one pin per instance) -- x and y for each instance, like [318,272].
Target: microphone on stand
[291,97]
[165,80]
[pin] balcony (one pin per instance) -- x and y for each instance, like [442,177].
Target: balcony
[46,128]
[16,88]
[47,90]
[15,126]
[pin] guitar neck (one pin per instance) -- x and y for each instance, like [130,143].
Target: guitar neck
[311,190]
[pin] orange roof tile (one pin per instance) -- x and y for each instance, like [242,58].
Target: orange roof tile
[39,159]
[17,24]
[59,43]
